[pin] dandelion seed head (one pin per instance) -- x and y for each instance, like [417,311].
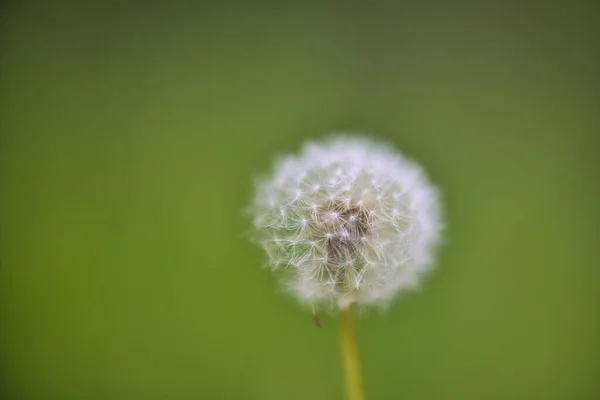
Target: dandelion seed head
[347,220]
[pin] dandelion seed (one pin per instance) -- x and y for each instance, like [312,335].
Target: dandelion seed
[367,217]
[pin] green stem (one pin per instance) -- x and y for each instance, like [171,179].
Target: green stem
[350,361]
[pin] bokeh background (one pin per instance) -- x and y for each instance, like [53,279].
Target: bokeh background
[130,135]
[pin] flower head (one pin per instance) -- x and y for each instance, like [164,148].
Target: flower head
[347,221]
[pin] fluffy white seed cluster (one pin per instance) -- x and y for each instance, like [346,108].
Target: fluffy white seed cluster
[347,221]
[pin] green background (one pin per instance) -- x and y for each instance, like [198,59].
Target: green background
[130,137]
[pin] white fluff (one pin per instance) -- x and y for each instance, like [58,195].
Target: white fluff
[347,221]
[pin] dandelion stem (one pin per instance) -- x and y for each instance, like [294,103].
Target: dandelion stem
[350,361]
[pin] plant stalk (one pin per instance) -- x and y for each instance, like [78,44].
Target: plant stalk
[350,360]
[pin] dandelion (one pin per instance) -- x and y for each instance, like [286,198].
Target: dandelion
[347,221]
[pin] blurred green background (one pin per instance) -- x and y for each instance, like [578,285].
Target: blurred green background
[130,135]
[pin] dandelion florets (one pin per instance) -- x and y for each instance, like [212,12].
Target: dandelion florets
[347,221]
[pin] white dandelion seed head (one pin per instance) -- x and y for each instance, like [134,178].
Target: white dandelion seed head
[347,221]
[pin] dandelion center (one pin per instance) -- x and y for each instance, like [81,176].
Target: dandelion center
[343,229]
